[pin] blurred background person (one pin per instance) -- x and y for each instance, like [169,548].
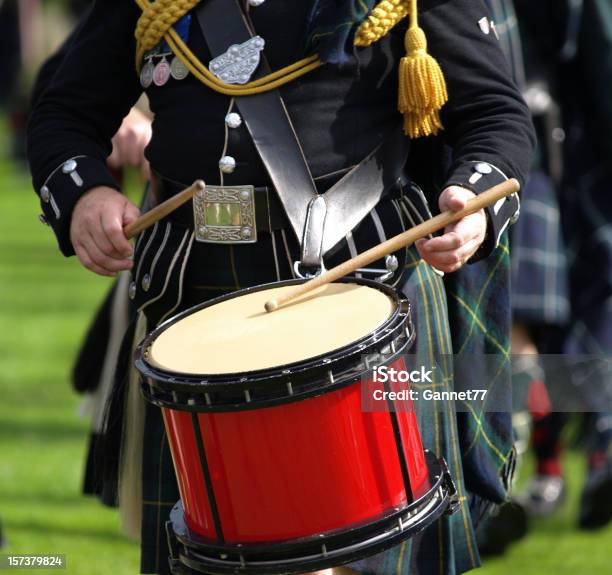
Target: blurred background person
[562,255]
[574,41]
[94,367]
[26,69]
[538,271]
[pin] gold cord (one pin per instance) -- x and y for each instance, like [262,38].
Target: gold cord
[154,27]
[269,82]
[422,88]
[384,16]
[156,19]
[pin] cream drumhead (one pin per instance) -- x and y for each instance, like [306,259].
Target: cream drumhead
[238,335]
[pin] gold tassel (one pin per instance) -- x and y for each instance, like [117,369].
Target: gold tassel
[422,88]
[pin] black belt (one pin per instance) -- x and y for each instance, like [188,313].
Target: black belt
[269,212]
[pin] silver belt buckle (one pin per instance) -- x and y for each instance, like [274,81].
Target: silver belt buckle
[225,215]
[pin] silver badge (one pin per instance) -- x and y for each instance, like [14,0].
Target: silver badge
[161,74]
[237,64]
[178,70]
[146,74]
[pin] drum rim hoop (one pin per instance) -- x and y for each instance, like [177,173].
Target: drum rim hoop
[170,382]
[340,540]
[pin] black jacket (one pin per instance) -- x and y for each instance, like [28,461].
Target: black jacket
[339,113]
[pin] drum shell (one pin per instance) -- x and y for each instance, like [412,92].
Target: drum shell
[295,470]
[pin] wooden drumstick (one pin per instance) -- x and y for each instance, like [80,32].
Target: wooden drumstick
[162,210]
[487,198]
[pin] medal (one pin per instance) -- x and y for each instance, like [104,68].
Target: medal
[161,74]
[146,74]
[178,70]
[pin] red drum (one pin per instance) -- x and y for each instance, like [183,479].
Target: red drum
[279,468]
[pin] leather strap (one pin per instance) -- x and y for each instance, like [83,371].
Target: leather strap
[265,116]
[314,229]
[223,23]
[353,197]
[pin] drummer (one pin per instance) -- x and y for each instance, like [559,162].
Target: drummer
[340,111]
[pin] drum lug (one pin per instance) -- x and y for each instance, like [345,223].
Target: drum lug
[391,265]
[373,359]
[176,567]
[323,546]
[454,502]
[453,506]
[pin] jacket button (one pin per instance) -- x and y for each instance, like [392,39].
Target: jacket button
[227,164]
[483,168]
[132,290]
[69,166]
[146,282]
[256,2]
[45,194]
[233,120]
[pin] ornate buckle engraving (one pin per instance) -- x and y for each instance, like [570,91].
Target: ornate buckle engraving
[225,215]
[237,64]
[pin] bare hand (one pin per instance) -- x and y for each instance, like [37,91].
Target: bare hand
[460,240]
[96,230]
[130,141]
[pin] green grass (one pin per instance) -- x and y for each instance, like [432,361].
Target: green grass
[554,546]
[46,302]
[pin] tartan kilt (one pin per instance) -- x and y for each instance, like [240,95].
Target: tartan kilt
[448,546]
[587,225]
[480,320]
[540,292]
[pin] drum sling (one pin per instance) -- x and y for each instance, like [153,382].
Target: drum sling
[319,221]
